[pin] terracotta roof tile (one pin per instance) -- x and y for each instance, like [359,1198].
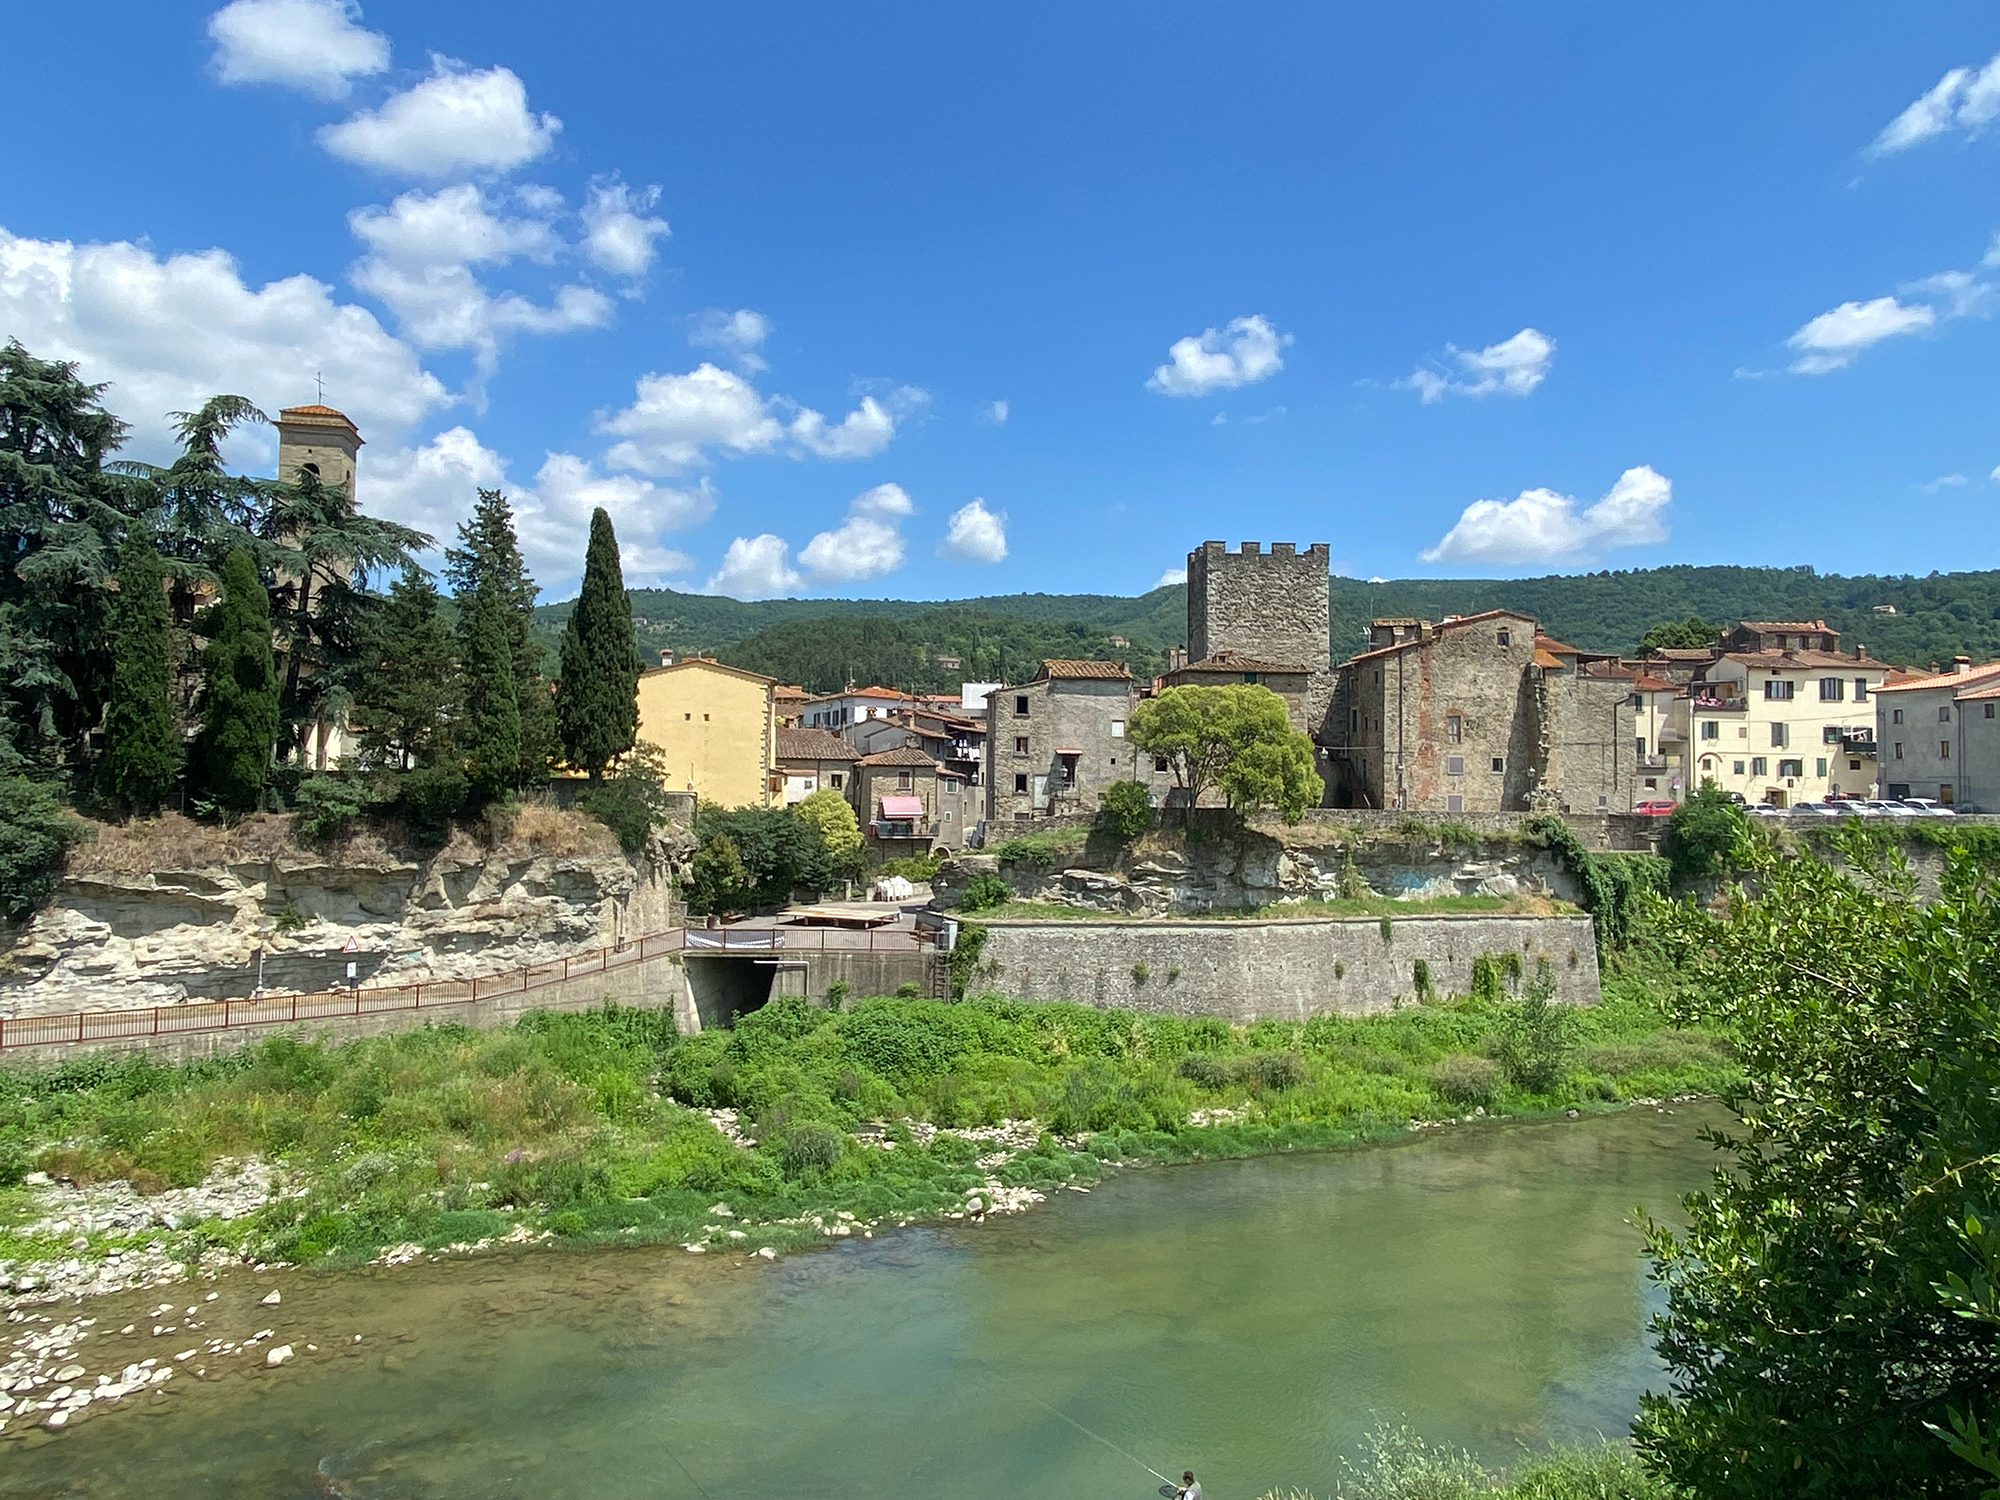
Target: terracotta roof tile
[813,744]
[1797,659]
[1941,679]
[905,756]
[1058,667]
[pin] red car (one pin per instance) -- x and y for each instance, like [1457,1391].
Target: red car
[1654,807]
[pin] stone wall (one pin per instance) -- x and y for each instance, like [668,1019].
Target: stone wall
[1271,605]
[1284,970]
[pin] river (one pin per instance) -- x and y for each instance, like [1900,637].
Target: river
[1250,1319]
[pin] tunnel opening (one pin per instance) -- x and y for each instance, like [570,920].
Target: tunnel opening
[726,987]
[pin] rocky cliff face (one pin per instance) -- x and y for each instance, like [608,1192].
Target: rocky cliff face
[285,919]
[1174,875]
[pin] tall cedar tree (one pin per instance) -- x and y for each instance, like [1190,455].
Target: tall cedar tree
[406,696]
[488,547]
[239,688]
[490,737]
[597,700]
[61,515]
[142,744]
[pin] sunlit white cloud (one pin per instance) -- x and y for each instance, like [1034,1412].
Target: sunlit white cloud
[755,567]
[1244,351]
[1512,367]
[1964,99]
[868,543]
[620,228]
[975,534]
[1836,338]
[677,420]
[317,46]
[457,120]
[1540,525]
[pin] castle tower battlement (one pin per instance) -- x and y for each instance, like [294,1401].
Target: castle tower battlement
[1271,606]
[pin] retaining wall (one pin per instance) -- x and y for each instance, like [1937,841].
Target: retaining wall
[1278,970]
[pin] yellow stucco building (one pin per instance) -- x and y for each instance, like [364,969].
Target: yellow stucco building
[717,727]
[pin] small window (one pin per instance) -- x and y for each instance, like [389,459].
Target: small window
[1989,710]
[1758,765]
[902,781]
[1861,690]
[1499,763]
[1021,784]
[688,717]
[1899,749]
[1020,744]
[835,780]
[1251,678]
[1854,765]
[1791,768]
[1944,749]
[1021,706]
[1832,689]
[1820,765]
[1639,745]
[1738,767]
[1159,763]
[1832,734]
[1454,765]
[1502,638]
[947,815]
[1895,716]
[1354,721]
[1710,730]
[1454,728]
[1118,729]
[1454,804]
[1781,735]
[1777,690]
[704,718]
[1944,714]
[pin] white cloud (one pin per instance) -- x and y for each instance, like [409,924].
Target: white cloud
[1242,353]
[422,250]
[994,413]
[1540,525]
[1172,576]
[1943,482]
[975,534]
[755,567]
[676,418]
[868,543]
[618,234]
[454,121]
[554,520]
[314,45]
[431,486]
[1961,100]
[1512,367]
[169,333]
[737,335]
[1834,339]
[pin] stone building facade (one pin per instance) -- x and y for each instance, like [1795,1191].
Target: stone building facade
[1056,741]
[1291,681]
[1270,607]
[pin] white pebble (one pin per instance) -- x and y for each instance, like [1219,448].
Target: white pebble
[278,1355]
[271,1299]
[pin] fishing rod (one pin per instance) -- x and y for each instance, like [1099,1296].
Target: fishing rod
[1171,1488]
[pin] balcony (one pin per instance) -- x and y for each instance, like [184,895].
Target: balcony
[1858,744]
[902,828]
[1703,703]
[1652,763]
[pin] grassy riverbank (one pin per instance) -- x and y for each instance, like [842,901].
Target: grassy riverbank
[801,1120]
[1400,1466]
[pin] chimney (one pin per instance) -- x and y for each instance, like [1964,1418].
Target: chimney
[1960,665]
[1860,652]
[666,656]
[1176,658]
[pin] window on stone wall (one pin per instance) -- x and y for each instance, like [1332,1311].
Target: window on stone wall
[1021,785]
[1020,744]
[1454,804]
[1454,728]
[1501,637]
[1021,706]
[1159,763]
[1454,765]
[1499,763]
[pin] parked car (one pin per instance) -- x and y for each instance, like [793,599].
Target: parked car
[1816,810]
[1654,807]
[1876,808]
[1764,810]
[1924,807]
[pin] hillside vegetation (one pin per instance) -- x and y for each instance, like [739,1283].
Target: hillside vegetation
[1936,618]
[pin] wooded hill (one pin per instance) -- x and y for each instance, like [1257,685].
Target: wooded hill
[823,643]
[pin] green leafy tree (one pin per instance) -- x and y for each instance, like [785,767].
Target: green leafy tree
[202,511]
[1822,1330]
[1701,832]
[488,546]
[780,852]
[34,835]
[490,737]
[406,696]
[1532,1044]
[1692,634]
[142,743]
[62,511]
[1237,740]
[239,688]
[1125,809]
[597,699]
[717,877]
[633,800]
[839,830]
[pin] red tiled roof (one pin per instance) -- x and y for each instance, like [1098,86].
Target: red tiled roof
[1551,644]
[1443,625]
[905,756]
[1058,667]
[1798,659]
[1777,625]
[813,744]
[1545,659]
[1645,684]
[1230,661]
[1941,679]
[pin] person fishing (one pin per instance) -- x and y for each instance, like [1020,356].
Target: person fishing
[1190,1487]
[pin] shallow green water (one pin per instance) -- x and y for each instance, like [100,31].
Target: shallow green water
[1248,1319]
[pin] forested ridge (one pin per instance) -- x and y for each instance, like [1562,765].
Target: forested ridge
[823,643]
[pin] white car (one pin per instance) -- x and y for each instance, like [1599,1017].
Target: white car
[1924,807]
[1764,810]
[1875,808]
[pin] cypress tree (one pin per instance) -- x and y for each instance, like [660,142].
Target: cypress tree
[597,699]
[488,546]
[142,746]
[239,688]
[406,694]
[490,739]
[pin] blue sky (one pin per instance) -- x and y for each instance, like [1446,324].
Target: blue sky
[926,301]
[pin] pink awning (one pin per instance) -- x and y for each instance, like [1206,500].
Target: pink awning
[902,807]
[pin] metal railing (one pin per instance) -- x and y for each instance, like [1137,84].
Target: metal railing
[72,1027]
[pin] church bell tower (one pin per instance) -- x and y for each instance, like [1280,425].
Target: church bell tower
[318,439]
